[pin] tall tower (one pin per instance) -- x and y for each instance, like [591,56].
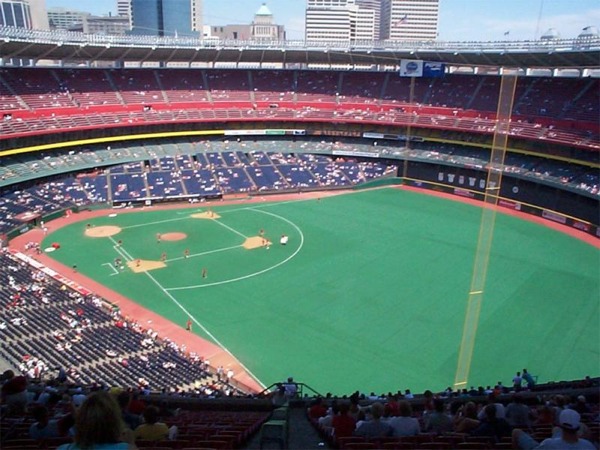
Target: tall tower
[376,7]
[15,13]
[124,7]
[166,17]
[39,17]
[196,9]
[410,20]
[338,20]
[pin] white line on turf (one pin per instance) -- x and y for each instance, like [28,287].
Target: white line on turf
[115,272]
[231,229]
[120,250]
[153,223]
[217,283]
[208,333]
[205,253]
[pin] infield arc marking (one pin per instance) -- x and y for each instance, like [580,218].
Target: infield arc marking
[249,243]
[254,274]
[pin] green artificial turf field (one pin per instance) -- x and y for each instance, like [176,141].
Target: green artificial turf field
[370,292]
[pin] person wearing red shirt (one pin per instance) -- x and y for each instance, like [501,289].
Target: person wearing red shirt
[317,409]
[343,423]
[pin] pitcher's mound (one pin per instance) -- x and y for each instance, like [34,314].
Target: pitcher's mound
[173,236]
[206,215]
[256,242]
[144,265]
[104,231]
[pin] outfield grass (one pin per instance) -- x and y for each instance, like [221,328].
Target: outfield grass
[370,293]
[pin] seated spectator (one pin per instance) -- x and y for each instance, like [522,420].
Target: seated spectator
[343,423]
[581,406]
[78,397]
[392,405]
[517,413]
[151,429]
[98,426]
[492,426]
[131,420]
[65,405]
[43,427]
[354,408]
[374,427]
[438,421]
[545,416]
[317,409]
[324,422]
[14,393]
[491,398]
[466,419]
[404,424]
[566,436]
[136,405]
[558,402]
[48,396]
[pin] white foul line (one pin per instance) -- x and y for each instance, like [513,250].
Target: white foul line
[153,223]
[126,255]
[215,340]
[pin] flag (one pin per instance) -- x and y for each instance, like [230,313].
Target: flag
[402,20]
[506,33]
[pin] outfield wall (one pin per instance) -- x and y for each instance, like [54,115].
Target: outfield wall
[532,197]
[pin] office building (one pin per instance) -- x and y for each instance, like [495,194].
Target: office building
[15,13]
[358,20]
[63,18]
[114,25]
[375,6]
[339,20]
[166,17]
[124,7]
[410,20]
[261,29]
[39,16]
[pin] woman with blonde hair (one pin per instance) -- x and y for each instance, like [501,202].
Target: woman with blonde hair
[98,426]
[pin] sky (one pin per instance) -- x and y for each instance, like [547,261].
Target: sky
[460,20]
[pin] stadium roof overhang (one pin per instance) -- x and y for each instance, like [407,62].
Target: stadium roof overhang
[74,48]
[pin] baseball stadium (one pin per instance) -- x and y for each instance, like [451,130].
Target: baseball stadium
[200,221]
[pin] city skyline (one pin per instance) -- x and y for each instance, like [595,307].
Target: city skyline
[495,20]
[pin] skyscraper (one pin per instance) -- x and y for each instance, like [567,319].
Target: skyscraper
[410,20]
[39,17]
[375,6]
[166,17]
[15,13]
[123,7]
[339,20]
